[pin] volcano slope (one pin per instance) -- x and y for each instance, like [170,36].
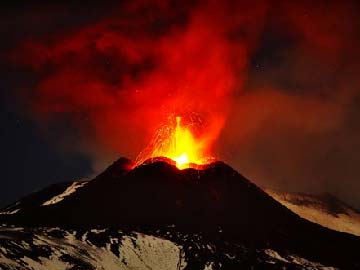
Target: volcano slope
[228,220]
[324,209]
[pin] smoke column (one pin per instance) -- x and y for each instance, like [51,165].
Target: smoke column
[275,83]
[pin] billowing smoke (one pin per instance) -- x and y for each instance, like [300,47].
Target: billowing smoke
[117,79]
[276,81]
[294,126]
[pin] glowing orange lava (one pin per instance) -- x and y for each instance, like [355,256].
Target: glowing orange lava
[177,142]
[185,149]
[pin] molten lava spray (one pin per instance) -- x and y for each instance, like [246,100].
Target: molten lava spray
[185,147]
[178,142]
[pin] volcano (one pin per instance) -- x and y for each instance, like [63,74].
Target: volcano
[210,217]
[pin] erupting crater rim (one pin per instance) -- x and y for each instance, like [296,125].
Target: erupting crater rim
[172,162]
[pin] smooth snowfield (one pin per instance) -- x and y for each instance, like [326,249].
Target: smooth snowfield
[314,209]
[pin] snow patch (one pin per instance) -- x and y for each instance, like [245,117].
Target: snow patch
[68,191]
[343,222]
[11,212]
[209,266]
[12,209]
[275,257]
[53,263]
[97,231]
[149,252]
[136,251]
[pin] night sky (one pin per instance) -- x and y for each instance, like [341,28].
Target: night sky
[277,82]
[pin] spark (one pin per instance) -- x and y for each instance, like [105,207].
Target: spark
[177,141]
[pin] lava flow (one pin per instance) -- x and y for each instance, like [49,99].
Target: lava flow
[178,143]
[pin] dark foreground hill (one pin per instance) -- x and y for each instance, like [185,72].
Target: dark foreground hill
[213,207]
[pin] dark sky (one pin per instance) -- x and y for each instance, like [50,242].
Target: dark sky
[280,79]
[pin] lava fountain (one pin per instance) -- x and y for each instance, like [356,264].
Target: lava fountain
[178,142]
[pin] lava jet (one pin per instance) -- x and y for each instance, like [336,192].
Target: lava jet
[185,144]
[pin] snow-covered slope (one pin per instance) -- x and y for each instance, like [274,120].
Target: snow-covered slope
[324,209]
[105,249]
[44,249]
[208,218]
[48,196]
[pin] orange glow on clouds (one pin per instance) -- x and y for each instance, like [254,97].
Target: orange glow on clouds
[117,79]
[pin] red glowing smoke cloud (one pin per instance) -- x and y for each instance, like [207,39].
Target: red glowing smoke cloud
[277,81]
[118,80]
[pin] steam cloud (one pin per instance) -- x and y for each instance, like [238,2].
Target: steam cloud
[277,81]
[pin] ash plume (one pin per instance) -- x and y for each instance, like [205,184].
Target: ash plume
[277,81]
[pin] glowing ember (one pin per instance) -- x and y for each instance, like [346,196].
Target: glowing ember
[178,143]
[181,161]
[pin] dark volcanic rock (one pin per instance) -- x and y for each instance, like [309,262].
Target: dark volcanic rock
[118,168]
[155,195]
